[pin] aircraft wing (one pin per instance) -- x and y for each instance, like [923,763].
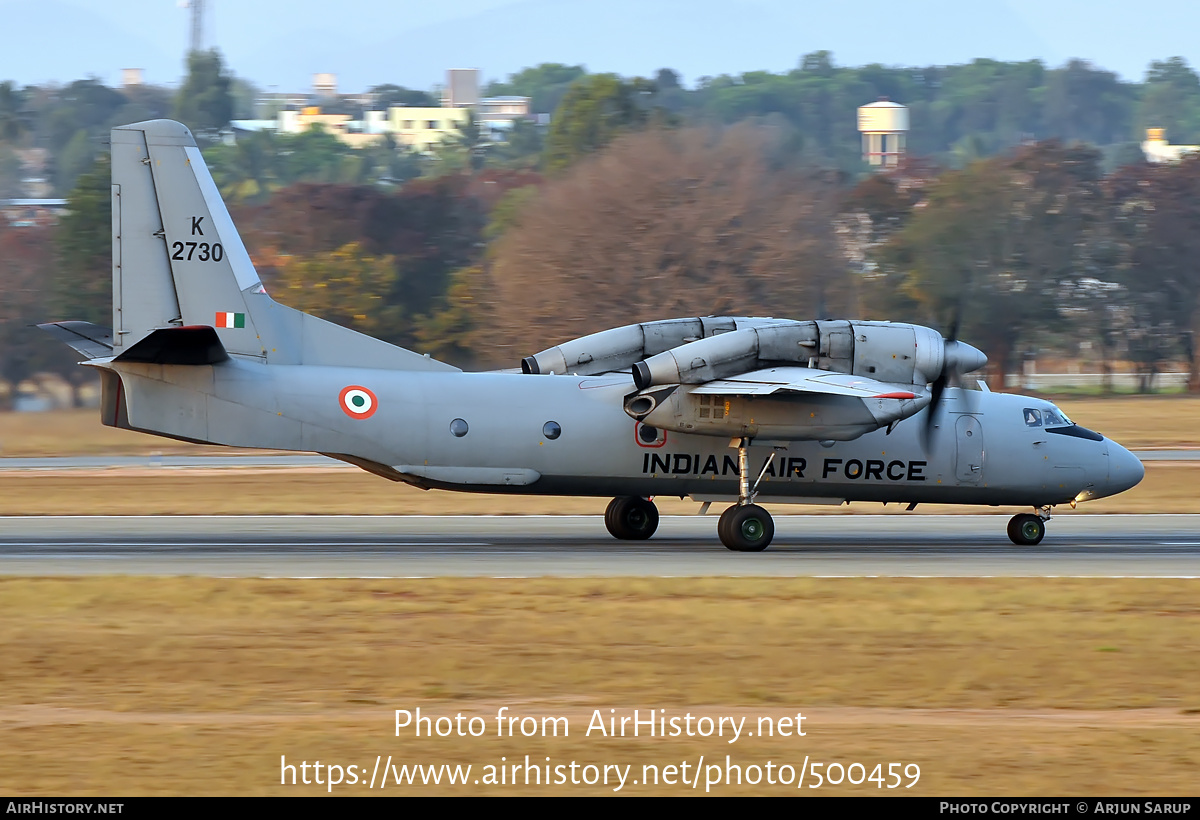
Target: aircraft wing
[806,380]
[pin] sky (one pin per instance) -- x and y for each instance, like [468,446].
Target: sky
[280,44]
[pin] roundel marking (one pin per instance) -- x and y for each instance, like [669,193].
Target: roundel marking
[358,402]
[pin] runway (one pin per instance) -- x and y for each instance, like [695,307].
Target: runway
[575,546]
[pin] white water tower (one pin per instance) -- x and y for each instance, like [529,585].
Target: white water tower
[884,127]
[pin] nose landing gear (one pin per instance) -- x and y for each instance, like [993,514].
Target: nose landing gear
[1027,530]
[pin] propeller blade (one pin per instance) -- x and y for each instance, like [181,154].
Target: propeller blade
[935,399]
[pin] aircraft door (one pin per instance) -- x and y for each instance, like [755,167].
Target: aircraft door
[969,437]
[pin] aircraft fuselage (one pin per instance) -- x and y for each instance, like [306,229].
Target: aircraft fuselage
[493,432]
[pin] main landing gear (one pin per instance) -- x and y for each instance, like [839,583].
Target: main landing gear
[1027,530]
[631,518]
[746,527]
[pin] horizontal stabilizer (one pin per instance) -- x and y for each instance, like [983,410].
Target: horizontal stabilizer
[91,340]
[177,345]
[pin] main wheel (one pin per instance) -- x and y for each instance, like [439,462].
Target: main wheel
[631,518]
[748,528]
[723,525]
[1026,530]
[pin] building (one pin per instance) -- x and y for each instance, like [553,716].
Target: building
[423,129]
[1157,149]
[32,213]
[420,129]
[462,88]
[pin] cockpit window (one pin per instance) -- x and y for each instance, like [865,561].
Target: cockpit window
[1053,418]
[1033,418]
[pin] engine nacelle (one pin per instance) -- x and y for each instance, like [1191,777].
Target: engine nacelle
[885,351]
[619,347]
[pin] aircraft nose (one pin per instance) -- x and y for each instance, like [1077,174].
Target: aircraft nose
[1125,469]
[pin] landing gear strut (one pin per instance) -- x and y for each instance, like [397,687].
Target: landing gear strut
[1028,530]
[746,527]
[631,518]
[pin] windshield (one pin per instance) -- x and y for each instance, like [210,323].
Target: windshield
[1056,416]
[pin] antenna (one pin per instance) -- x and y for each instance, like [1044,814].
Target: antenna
[196,42]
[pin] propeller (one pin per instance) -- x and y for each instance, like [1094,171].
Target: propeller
[957,358]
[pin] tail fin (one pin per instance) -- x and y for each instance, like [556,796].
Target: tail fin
[178,262]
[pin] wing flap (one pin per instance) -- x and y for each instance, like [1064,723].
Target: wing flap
[806,380]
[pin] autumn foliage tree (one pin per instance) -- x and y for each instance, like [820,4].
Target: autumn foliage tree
[667,223]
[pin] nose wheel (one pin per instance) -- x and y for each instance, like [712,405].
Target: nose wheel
[1026,530]
[631,518]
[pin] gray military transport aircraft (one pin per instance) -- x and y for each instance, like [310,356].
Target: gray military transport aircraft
[723,409]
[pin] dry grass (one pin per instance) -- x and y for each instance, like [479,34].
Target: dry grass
[1169,487]
[197,686]
[1138,422]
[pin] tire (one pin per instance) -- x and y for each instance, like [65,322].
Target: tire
[723,525]
[1026,530]
[749,528]
[631,518]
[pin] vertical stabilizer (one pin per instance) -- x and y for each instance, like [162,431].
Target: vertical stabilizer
[178,261]
[207,266]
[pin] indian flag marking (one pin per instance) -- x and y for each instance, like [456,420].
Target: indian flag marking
[358,402]
[231,320]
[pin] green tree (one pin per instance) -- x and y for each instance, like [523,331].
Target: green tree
[594,111]
[248,170]
[83,277]
[466,149]
[76,157]
[10,172]
[388,95]
[205,102]
[545,85]
[997,242]
[1171,100]
[523,147]
[12,120]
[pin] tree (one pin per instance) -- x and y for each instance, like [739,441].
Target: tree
[666,223]
[1171,100]
[388,95]
[466,149]
[76,157]
[205,102]
[347,286]
[1161,210]
[524,146]
[996,242]
[545,85]
[26,262]
[12,121]
[594,110]
[83,277]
